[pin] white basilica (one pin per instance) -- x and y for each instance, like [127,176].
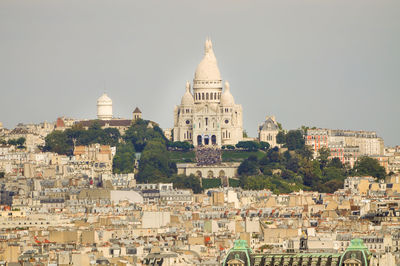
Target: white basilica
[208,115]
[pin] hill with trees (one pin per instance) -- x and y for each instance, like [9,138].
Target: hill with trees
[281,170]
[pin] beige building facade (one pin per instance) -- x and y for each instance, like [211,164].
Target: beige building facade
[268,130]
[226,169]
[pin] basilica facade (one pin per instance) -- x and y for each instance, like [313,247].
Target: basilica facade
[208,115]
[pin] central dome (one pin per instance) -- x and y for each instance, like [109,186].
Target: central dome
[207,71]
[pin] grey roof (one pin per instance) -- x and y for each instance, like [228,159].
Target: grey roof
[269,124]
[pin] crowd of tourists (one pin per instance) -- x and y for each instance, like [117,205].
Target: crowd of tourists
[208,156]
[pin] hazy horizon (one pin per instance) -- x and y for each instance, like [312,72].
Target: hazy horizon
[332,64]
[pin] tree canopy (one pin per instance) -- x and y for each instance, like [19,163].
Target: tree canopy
[124,159]
[63,142]
[284,172]
[367,166]
[154,162]
[248,145]
[141,132]
[19,142]
[180,145]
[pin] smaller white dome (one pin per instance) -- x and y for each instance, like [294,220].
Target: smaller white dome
[226,97]
[187,98]
[104,99]
[104,107]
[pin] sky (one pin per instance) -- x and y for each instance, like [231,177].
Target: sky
[324,63]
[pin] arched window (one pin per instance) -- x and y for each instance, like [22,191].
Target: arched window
[202,95]
[211,96]
[207,96]
[214,140]
[210,174]
[195,96]
[199,141]
[215,95]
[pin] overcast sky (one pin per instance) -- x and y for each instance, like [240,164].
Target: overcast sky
[324,63]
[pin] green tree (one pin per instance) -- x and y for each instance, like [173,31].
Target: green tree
[274,156]
[19,143]
[228,147]
[311,172]
[264,145]
[124,159]
[281,137]
[249,166]
[111,136]
[292,164]
[141,132]
[189,182]
[367,166]
[256,183]
[294,140]
[73,134]
[248,145]
[332,186]
[323,156]
[154,162]
[305,152]
[180,145]
[57,141]
[12,142]
[336,163]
